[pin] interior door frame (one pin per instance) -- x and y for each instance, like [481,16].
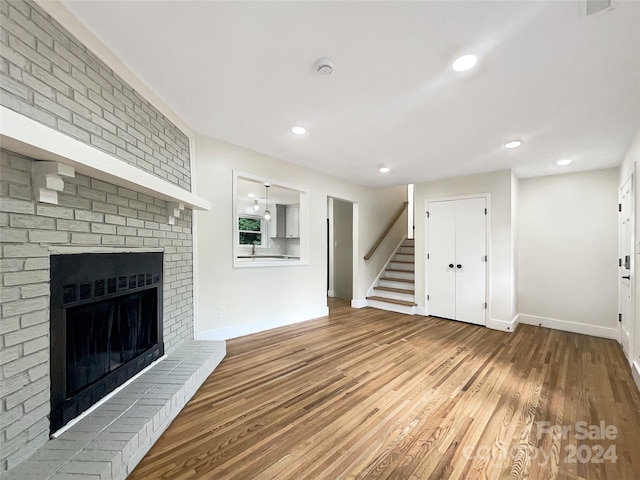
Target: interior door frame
[487,284]
[632,321]
[331,249]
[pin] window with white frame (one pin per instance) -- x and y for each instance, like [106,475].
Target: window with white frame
[251,230]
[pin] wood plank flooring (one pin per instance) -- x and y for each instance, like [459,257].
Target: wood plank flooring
[368,394]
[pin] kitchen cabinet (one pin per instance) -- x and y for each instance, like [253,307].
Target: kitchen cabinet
[281,220]
[287,221]
[292,223]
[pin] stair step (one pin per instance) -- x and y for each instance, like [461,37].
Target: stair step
[395,290]
[403,270]
[393,279]
[392,300]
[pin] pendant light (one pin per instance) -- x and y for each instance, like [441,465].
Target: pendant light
[267,213]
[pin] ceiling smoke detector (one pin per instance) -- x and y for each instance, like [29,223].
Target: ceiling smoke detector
[324,66]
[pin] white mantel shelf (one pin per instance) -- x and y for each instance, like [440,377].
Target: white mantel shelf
[22,135]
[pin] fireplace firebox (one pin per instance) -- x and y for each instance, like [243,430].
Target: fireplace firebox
[106,326]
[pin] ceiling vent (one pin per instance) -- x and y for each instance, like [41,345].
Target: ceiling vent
[596,6]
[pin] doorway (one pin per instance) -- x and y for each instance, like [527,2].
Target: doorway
[457,259]
[340,239]
[625,265]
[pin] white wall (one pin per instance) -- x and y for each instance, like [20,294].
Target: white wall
[501,260]
[629,166]
[567,251]
[254,299]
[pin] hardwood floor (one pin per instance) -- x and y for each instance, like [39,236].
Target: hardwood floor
[373,394]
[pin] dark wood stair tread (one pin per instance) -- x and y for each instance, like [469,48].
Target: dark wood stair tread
[393,279]
[396,290]
[392,300]
[399,270]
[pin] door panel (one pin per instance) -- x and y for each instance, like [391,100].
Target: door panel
[470,255]
[625,238]
[457,237]
[442,253]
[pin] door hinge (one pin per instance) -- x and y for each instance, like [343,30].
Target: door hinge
[485,258]
[619,207]
[485,211]
[427,297]
[620,317]
[427,256]
[485,305]
[619,262]
[427,214]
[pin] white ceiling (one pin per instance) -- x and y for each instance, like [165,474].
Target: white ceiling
[566,84]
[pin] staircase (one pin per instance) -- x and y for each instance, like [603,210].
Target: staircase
[395,290]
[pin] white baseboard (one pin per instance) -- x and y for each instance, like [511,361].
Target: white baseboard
[421,311]
[359,303]
[567,326]
[331,293]
[503,325]
[247,328]
[635,372]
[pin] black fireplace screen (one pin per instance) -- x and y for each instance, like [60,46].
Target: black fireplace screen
[104,335]
[106,326]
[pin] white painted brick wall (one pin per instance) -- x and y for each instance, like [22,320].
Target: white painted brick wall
[48,76]
[28,232]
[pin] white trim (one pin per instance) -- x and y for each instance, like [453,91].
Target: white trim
[370,290]
[330,248]
[421,311]
[635,373]
[392,307]
[355,252]
[568,326]
[23,135]
[303,219]
[248,328]
[630,354]
[503,325]
[359,303]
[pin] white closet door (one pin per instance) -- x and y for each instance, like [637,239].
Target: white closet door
[456,266]
[470,260]
[442,254]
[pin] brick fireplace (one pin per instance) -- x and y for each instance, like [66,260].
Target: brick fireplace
[91,217]
[52,80]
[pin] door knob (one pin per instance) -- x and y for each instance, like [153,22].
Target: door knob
[459,266]
[451,265]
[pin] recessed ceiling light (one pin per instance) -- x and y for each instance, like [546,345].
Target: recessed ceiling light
[513,144]
[299,130]
[562,162]
[384,170]
[464,63]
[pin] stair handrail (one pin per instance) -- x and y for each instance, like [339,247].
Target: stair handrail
[386,232]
